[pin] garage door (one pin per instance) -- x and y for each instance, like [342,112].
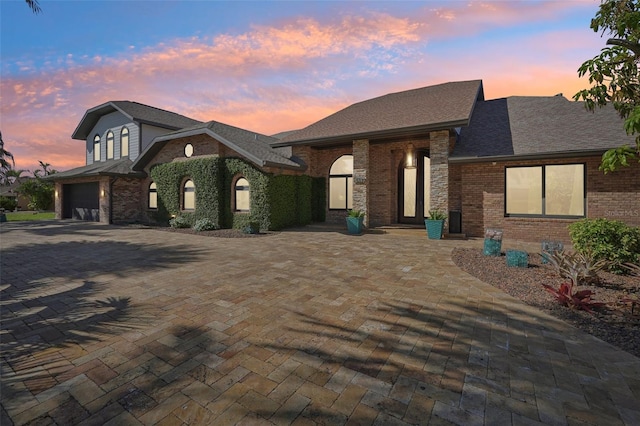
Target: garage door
[81,201]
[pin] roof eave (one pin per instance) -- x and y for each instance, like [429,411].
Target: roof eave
[400,132]
[532,156]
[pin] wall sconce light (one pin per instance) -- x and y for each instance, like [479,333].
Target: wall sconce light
[56,193]
[410,157]
[102,193]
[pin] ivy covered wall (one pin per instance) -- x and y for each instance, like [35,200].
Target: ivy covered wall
[277,201]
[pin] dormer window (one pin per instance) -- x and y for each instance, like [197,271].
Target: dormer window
[109,145]
[96,148]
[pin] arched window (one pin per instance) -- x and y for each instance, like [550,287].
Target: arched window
[124,142]
[109,145]
[242,198]
[341,183]
[188,195]
[96,148]
[153,196]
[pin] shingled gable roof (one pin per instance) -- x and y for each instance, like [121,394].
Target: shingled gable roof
[119,167]
[442,106]
[135,112]
[253,146]
[540,126]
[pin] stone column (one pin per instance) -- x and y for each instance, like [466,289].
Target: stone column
[104,194]
[439,154]
[360,177]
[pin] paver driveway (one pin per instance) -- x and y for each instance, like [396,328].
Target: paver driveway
[102,324]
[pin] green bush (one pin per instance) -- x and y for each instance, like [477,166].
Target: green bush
[8,203]
[604,239]
[204,224]
[180,222]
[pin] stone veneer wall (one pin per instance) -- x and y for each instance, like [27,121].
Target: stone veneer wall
[481,192]
[439,154]
[361,184]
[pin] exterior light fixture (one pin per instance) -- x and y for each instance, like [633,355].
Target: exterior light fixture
[410,157]
[102,193]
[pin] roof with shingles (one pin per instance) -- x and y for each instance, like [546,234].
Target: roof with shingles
[119,167]
[254,146]
[135,112]
[442,106]
[538,125]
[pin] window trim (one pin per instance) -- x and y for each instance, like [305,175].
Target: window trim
[96,144]
[152,189]
[110,144]
[346,185]
[544,192]
[184,191]
[235,194]
[122,133]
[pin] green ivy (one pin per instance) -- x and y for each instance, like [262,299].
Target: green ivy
[276,201]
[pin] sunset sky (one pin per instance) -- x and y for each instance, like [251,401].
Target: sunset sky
[268,66]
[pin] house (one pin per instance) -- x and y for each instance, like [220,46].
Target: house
[527,165]
[11,191]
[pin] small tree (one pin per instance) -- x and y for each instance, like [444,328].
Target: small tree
[615,75]
[5,165]
[39,191]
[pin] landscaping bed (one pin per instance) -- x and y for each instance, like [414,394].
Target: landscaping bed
[615,323]
[219,233]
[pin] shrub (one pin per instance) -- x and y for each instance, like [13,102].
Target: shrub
[204,224]
[611,240]
[577,267]
[179,222]
[8,203]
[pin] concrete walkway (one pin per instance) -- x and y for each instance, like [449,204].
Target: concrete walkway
[123,326]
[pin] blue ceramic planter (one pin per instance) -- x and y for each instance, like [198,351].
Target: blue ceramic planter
[434,228]
[354,225]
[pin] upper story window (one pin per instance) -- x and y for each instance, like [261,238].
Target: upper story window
[242,195]
[109,145]
[124,142]
[341,183]
[188,195]
[96,148]
[153,196]
[551,190]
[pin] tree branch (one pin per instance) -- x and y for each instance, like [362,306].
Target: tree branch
[634,47]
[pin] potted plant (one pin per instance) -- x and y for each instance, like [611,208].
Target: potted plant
[435,224]
[355,219]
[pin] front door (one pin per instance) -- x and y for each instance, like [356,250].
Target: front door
[415,190]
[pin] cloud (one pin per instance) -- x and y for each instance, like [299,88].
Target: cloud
[285,75]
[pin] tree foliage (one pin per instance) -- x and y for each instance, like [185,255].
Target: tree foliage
[39,191]
[5,165]
[614,74]
[34,6]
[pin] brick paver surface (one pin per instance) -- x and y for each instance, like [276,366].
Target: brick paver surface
[110,325]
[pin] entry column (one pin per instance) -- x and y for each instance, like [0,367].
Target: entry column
[439,155]
[360,175]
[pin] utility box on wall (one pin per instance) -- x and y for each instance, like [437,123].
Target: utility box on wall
[455,222]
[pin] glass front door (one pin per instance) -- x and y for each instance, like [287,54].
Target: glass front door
[415,191]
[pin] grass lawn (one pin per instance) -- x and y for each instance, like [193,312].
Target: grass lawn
[22,216]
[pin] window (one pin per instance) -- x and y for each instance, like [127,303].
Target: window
[124,142]
[188,150]
[188,195]
[242,198]
[109,145]
[341,183]
[552,190]
[96,148]
[153,196]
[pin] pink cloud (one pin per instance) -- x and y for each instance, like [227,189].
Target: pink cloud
[284,76]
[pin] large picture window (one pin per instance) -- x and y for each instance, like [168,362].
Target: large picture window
[124,142]
[96,148]
[551,190]
[341,183]
[189,195]
[109,145]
